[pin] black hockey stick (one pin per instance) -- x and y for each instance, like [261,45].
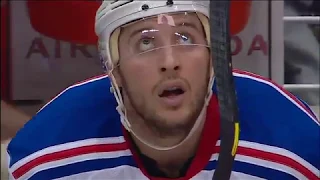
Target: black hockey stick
[222,64]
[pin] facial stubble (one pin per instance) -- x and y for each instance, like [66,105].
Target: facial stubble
[159,125]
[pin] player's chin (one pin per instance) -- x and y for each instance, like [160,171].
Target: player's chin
[180,116]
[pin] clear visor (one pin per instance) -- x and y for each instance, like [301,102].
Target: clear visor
[180,35]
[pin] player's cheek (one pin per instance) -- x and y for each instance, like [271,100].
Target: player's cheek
[200,78]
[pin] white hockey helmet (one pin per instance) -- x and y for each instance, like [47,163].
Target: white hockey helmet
[113,14]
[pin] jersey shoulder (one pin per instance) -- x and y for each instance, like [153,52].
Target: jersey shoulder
[277,129]
[261,96]
[84,111]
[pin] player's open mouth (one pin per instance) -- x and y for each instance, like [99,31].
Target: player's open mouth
[172,94]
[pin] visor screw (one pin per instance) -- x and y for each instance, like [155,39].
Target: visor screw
[145,7]
[170,2]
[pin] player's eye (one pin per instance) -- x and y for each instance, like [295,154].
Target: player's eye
[183,38]
[146,44]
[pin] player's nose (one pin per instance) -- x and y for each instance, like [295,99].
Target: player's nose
[169,61]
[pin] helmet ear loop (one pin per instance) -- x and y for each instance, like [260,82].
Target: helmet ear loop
[115,89]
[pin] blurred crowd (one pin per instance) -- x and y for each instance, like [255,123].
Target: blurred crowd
[301,43]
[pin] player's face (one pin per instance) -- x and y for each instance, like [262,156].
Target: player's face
[164,70]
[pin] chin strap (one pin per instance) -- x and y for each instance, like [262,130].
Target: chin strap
[124,121]
[201,118]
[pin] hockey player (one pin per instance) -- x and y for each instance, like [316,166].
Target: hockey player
[163,121]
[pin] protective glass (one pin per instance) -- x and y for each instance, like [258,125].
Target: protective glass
[176,35]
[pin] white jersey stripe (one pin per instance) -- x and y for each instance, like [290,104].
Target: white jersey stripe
[134,173]
[266,164]
[73,160]
[124,172]
[270,165]
[279,151]
[273,150]
[66,146]
[204,175]
[246,75]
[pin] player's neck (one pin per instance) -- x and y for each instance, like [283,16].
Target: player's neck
[177,156]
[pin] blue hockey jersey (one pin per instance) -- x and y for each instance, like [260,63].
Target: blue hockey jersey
[78,135]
